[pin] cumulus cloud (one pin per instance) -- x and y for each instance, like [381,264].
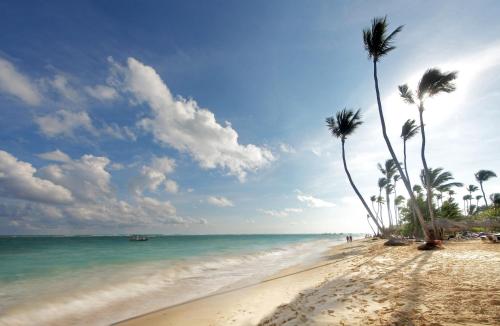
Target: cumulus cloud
[76,191]
[314,202]
[62,86]
[281,213]
[86,178]
[102,92]
[219,201]
[64,123]
[152,176]
[56,156]
[18,180]
[14,83]
[183,125]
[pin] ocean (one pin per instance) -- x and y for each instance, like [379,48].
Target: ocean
[98,280]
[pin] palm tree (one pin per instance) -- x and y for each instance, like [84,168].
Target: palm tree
[466,200]
[471,189]
[388,170]
[477,200]
[378,44]
[408,131]
[397,203]
[373,199]
[382,182]
[440,180]
[439,198]
[395,179]
[342,126]
[495,198]
[481,176]
[432,83]
[450,194]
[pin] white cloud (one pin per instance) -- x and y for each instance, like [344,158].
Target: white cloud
[76,190]
[285,148]
[281,213]
[102,92]
[313,201]
[61,84]
[86,178]
[115,131]
[219,201]
[18,180]
[64,123]
[56,156]
[182,124]
[171,186]
[152,176]
[14,83]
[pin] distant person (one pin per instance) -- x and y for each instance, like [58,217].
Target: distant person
[350,238]
[347,238]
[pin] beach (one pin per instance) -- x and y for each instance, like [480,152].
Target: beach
[360,283]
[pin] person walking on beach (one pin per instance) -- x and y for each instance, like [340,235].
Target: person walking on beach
[346,238]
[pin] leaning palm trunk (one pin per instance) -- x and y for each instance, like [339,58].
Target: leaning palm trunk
[420,216]
[357,191]
[484,196]
[426,169]
[409,182]
[368,220]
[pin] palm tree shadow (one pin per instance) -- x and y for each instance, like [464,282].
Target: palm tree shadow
[405,315]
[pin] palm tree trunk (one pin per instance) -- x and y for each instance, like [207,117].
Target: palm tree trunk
[368,220]
[395,207]
[356,189]
[409,182]
[426,232]
[388,200]
[484,196]
[426,169]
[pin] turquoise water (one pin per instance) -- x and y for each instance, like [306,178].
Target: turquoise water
[98,280]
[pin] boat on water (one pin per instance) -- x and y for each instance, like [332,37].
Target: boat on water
[137,237]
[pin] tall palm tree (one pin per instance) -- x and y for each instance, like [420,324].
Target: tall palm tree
[395,180]
[397,204]
[379,43]
[388,170]
[471,189]
[408,131]
[466,200]
[432,83]
[381,183]
[481,176]
[373,199]
[477,200]
[343,125]
[439,198]
[450,194]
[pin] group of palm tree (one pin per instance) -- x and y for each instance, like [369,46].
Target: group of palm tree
[378,42]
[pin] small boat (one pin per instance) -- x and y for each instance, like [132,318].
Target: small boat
[137,237]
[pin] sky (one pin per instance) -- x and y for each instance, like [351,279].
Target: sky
[207,117]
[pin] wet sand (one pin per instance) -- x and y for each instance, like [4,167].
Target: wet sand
[358,284]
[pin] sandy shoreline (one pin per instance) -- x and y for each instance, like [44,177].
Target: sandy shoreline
[360,283]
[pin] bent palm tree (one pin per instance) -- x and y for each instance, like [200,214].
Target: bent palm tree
[378,44]
[432,83]
[408,131]
[481,176]
[343,125]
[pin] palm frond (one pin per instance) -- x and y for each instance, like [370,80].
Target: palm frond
[344,123]
[376,41]
[409,129]
[484,175]
[434,81]
[406,94]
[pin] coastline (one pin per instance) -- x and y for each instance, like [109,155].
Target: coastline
[249,304]
[359,283]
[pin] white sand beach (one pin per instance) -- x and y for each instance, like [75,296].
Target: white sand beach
[357,284]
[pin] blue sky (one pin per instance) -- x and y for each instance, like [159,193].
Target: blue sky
[208,117]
